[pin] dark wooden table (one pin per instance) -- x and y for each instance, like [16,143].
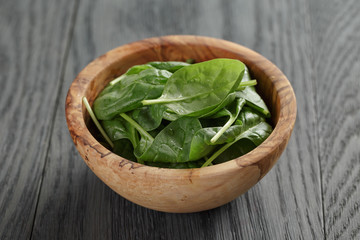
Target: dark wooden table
[47,191]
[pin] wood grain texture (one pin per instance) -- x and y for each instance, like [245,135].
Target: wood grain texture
[336,38]
[32,45]
[316,45]
[290,193]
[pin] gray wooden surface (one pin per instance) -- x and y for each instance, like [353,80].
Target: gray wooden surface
[47,191]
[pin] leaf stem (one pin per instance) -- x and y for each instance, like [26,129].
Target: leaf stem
[170,100]
[248,83]
[242,85]
[116,80]
[159,101]
[222,130]
[217,153]
[136,126]
[98,125]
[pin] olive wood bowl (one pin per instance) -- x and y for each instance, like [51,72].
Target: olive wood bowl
[180,190]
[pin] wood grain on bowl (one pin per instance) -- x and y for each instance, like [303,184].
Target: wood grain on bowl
[180,190]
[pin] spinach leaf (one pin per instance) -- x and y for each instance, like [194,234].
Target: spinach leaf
[232,111]
[197,89]
[171,66]
[144,143]
[256,134]
[202,145]
[149,117]
[146,139]
[137,69]
[124,148]
[229,99]
[133,70]
[239,148]
[118,128]
[127,94]
[252,98]
[170,115]
[173,143]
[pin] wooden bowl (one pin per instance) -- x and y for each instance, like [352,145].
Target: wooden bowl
[180,190]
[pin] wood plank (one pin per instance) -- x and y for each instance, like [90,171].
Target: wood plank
[285,204]
[33,40]
[336,38]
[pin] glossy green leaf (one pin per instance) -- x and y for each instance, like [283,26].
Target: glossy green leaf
[171,66]
[201,144]
[197,89]
[252,98]
[229,99]
[233,111]
[127,94]
[118,128]
[170,115]
[256,134]
[239,148]
[173,143]
[149,117]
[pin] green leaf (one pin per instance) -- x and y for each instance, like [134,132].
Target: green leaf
[233,111]
[124,148]
[256,134]
[118,128]
[229,99]
[171,66]
[127,94]
[170,115]
[173,143]
[144,144]
[252,98]
[239,148]
[197,89]
[149,117]
[137,69]
[201,144]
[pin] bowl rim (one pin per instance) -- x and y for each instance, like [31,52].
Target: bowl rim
[81,135]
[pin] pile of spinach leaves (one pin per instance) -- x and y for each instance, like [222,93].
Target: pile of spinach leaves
[181,115]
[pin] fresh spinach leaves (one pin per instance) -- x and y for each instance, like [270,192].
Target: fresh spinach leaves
[181,115]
